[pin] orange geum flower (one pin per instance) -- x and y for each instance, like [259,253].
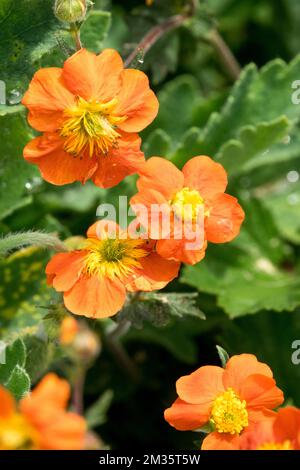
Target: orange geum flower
[96,278]
[89,112]
[195,195]
[229,399]
[282,432]
[40,420]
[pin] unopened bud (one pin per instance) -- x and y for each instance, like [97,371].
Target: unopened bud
[87,345]
[70,11]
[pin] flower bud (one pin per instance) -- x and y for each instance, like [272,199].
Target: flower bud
[70,11]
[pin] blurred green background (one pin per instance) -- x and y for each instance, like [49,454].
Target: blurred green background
[249,290]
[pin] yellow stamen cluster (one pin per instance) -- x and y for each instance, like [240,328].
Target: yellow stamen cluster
[229,413]
[285,445]
[17,434]
[91,126]
[187,204]
[113,257]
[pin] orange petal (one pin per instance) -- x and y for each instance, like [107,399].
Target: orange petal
[64,269]
[103,229]
[225,219]
[94,77]
[205,175]
[57,166]
[260,391]
[257,434]
[136,101]
[186,417]
[7,403]
[162,176]
[95,297]
[121,161]
[153,212]
[178,250]
[65,431]
[155,273]
[221,441]
[202,386]
[287,424]
[47,399]
[239,367]
[46,98]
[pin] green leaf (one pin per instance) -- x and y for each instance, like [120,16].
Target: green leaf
[13,375]
[223,355]
[96,414]
[39,353]
[28,30]
[15,355]
[158,309]
[18,383]
[23,290]
[14,171]
[251,141]
[177,102]
[94,29]
[257,114]
[157,144]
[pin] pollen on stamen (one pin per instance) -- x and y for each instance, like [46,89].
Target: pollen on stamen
[113,257]
[90,127]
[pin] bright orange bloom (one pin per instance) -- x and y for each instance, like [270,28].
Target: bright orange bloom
[68,330]
[89,112]
[197,190]
[40,421]
[95,279]
[282,432]
[229,399]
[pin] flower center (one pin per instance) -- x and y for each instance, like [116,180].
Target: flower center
[285,445]
[90,126]
[187,204]
[113,257]
[17,434]
[229,413]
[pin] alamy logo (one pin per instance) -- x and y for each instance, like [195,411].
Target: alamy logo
[2,92]
[2,352]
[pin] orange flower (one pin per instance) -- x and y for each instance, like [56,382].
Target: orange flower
[95,279]
[89,112]
[282,432]
[41,422]
[68,330]
[186,195]
[229,399]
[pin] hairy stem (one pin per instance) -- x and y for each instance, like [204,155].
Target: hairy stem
[75,31]
[159,31]
[226,56]
[117,349]
[15,241]
[78,392]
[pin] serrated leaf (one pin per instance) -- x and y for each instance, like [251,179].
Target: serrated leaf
[96,414]
[251,141]
[18,383]
[158,144]
[15,355]
[159,309]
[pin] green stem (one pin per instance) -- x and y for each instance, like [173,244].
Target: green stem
[75,32]
[15,241]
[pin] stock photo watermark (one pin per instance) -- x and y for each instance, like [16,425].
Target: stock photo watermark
[2,352]
[177,222]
